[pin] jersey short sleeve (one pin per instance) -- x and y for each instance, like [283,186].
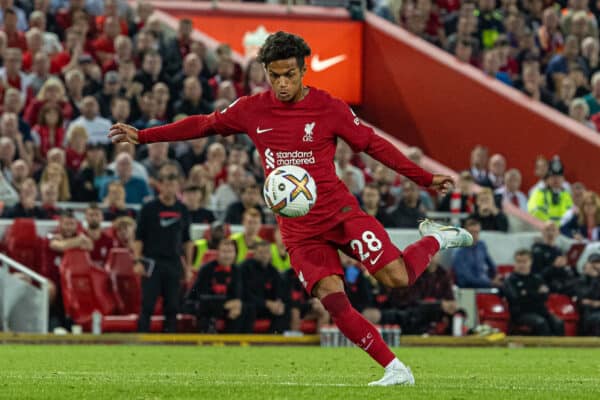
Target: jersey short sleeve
[233,119]
[348,126]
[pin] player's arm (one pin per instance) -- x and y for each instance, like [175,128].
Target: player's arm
[362,138]
[226,122]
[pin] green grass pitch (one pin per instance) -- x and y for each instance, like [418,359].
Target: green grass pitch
[239,373]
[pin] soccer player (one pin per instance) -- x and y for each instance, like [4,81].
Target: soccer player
[293,124]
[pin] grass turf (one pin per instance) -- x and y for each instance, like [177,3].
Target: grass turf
[239,373]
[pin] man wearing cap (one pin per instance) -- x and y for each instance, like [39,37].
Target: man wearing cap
[110,89]
[588,296]
[552,201]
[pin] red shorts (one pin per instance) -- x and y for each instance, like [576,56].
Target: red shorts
[360,236]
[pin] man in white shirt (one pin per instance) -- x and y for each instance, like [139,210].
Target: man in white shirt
[511,190]
[95,125]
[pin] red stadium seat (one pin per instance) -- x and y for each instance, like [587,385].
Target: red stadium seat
[78,288]
[103,290]
[563,308]
[492,311]
[125,283]
[23,244]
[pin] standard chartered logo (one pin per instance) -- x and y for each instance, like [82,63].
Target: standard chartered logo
[288,158]
[270,160]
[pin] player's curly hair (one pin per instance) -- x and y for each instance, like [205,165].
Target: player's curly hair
[283,45]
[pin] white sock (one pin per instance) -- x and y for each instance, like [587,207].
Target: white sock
[439,237]
[395,364]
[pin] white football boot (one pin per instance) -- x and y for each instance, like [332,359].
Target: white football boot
[448,236]
[395,374]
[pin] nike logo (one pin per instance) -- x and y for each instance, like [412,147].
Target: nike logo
[321,65]
[164,223]
[259,131]
[374,260]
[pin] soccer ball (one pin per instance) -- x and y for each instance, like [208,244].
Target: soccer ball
[290,191]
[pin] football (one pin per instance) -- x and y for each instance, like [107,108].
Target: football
[290,191]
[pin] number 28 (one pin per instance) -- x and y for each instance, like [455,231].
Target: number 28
[370,242]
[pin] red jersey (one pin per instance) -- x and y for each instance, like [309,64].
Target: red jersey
[304,134]
[101,248]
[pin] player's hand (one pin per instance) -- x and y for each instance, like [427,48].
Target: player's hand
[123,133]
[442,183]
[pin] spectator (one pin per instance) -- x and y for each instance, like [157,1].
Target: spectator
[479,163]
[14,104]
[136,190]
[548,35]
[77,138]
[565,95]
[490,23]
[104,45]
[488,214]
[124,233]
[215,163]
[74,82]
[51,92]
[165,218]
[123,54]
[593,98]
[590,51]
[195,199]
[585,225]
[158,156]
[195,154]
[301,306]
[102,242]
[137,169]
[473,267]
[249,198]
[580,112]
[225,72]
[462,198]
[552,201]
[588,296]
[511,190]
[192,102]
[217,293]
[120,110]
[40,71]
[247,239]
[408,213]
[491,66]
[57,174]
[14,25]
[114,203]
[371,201]
[91,175]
[255,79]
[228,193]
[210,241]
[541,171]
[34,47]
[263,289]
[95,125]
[19,172]
[162,96]
[110,90]
[26,207]
[51,43]
[497,168]
[49,197]
[49,131]
[526,294]
[577,191]
[23,147]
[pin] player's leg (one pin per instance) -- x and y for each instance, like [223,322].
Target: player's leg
[319,269]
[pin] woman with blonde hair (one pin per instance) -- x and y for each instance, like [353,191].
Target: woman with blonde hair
[57,174]
[49,129]
[586,224]
[77,137]
[53,92]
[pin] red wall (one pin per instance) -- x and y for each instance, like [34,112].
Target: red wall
[427,98]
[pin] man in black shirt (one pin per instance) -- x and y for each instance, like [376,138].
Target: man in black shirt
[408,213]
[371,203]
[588,296]
[249,198]
[217,293]
[264,289]
[526,294]
[162,235]
[194,198]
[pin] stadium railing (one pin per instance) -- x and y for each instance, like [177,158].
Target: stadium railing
[23,299]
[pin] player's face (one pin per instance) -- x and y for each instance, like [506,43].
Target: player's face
[286,79]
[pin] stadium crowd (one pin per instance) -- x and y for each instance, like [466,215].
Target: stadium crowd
[549,50]
[70,69]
